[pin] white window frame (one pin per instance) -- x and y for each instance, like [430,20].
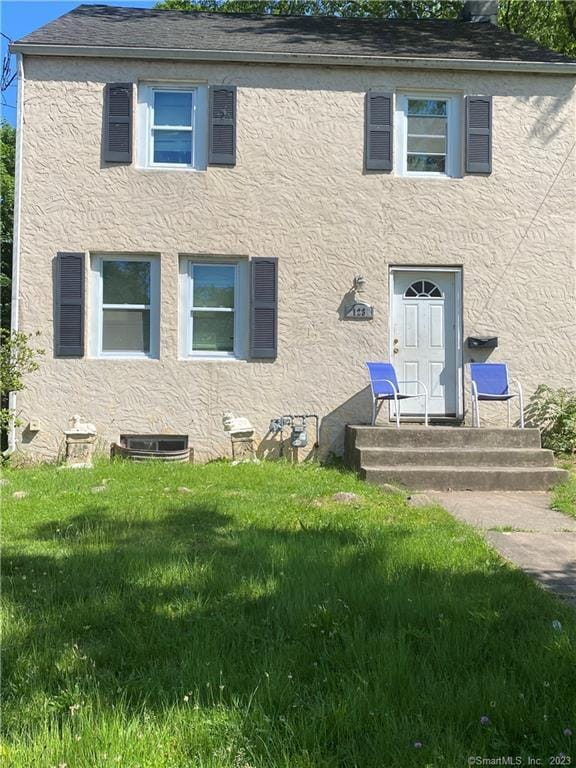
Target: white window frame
[98,307]
[454,135]
[241,305]
[198,127]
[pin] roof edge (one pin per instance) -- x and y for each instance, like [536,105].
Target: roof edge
[270,57]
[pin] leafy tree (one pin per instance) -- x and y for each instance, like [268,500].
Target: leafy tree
[551,23]
[7,163]
[401,9]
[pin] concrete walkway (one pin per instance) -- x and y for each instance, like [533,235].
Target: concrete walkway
[524,530]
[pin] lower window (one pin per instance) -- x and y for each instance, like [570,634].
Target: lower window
[126,306]
[214,304]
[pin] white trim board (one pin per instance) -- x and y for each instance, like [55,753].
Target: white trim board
[314,59]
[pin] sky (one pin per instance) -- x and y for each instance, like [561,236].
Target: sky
[20,17]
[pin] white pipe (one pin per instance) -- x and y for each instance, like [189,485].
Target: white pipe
[16,238]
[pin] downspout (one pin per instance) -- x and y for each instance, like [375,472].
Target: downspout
[16,237]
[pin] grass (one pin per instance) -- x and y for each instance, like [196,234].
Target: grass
[564,495]
[253,622]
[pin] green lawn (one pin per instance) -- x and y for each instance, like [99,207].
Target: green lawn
[253,622]
[564,496]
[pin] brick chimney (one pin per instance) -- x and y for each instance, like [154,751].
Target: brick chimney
[483,11]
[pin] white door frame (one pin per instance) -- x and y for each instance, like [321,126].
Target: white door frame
[458,316]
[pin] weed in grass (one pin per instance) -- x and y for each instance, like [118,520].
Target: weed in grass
[564,495]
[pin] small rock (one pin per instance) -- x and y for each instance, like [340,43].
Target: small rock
[98,488]
[19,495]
[183,489]
[344,497]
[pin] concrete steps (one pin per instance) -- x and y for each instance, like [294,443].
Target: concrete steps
[452,458]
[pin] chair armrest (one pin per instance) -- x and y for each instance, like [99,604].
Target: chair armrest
[415,381]
[517,383]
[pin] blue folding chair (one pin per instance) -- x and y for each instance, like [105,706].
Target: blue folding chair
[489,382]
[385,386]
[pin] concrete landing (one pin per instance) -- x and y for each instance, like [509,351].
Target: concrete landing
[524,530]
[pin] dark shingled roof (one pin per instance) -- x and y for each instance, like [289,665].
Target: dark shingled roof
[109,26]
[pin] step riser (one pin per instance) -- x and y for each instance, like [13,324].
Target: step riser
[442,437]
[487,480]
[390,457]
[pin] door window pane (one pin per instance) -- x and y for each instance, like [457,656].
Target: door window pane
[172,108]
[172,147]
[126,330]
[213,286]
[212,331]
[126,282]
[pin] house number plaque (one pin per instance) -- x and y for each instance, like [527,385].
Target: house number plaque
[358,311]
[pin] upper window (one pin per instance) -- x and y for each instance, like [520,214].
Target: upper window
[428,135]
[173,126]
[215,309]
[125,306]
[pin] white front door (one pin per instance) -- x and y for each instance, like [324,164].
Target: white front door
[424,339]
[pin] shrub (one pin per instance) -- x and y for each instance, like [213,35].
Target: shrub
[554,412]
[17,358]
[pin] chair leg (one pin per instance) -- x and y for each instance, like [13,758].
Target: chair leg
[521,404]
[397,408]
[373,411]
[508,405]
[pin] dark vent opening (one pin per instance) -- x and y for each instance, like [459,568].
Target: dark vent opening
[143,447]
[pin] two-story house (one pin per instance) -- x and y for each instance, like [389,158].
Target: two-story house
[197,195]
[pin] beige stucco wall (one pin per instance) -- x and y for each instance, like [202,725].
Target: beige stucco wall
[298,192]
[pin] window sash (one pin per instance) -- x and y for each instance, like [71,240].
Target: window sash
[153,128]
[100,307]
[192,309]
[452,135]
[446,137]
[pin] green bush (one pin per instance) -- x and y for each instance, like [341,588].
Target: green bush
[17,358]
[553,411]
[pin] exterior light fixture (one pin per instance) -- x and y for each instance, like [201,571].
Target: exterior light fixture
[359,284]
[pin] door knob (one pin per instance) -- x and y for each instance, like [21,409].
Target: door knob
[395,350]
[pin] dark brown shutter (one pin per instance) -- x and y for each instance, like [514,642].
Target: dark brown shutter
[117,123]
[222,130]
[379,132]
[264,308]
[69,301]
[478,134]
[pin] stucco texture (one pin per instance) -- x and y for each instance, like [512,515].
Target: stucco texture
[299,193]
